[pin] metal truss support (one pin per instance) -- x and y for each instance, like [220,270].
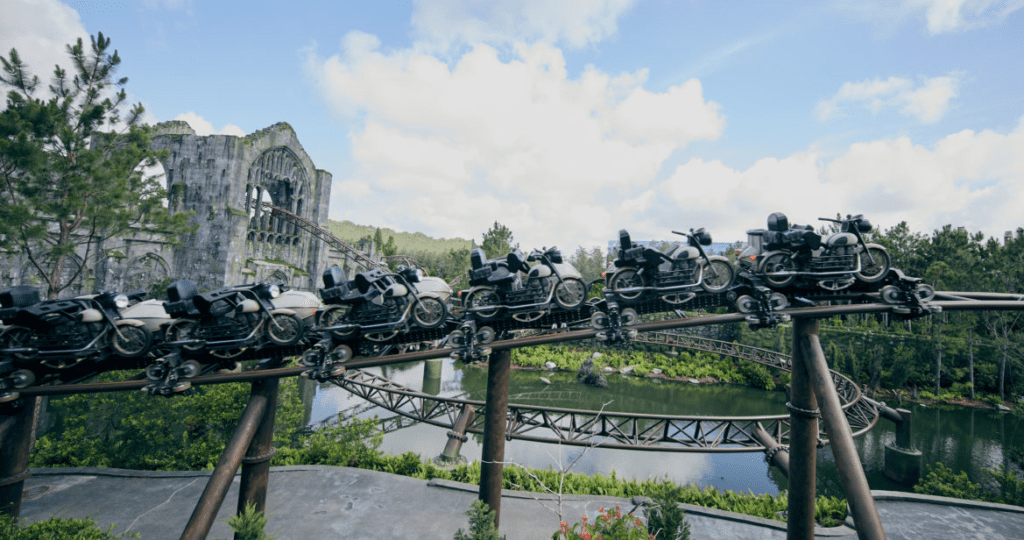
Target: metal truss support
[15,439]
[495,421]
[851,472]
[217,488]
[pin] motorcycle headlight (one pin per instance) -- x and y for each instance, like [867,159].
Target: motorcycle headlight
[121,301]
[275,291]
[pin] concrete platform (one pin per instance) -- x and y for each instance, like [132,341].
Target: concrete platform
[338,502]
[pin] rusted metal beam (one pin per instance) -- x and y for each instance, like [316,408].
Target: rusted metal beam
[457,435]
[217,488]
[775,453]
[803,445]
[851,472]
[495,420]
[15,439]
[256,463]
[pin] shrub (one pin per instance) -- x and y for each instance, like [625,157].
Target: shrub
[665,519]
[942,481]
[481,523]
[55,527]
[249,524]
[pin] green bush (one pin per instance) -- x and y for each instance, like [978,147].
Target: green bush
[481,523]
[942,481]
[665,518]
[57,528]
[249,524]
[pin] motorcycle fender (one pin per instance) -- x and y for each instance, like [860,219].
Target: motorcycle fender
[440,297]
[91,315]
[129,322]
[283,311]
[718,258]
[250,306]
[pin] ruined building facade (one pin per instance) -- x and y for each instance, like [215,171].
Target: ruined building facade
[222,179]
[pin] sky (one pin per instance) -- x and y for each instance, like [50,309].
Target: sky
[569,120]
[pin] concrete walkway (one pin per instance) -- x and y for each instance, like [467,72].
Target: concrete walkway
[338,502]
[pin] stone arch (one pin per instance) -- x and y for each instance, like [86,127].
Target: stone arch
[277,176]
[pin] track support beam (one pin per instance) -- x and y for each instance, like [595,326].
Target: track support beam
[15,440]
[495,422]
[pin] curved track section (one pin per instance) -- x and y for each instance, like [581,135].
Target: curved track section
[615,429]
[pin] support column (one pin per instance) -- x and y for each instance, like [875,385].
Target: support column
[217,487]
[15,439]
[256,463]
[803,445]
[457,435]
[775,453]
[495,420]
[851,471]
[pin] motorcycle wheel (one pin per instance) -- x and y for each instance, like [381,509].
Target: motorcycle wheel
[484,298]
[429,312]
[718,276]
[778,262]
[16,337]
[627,278]
[872,272]
[570,293]
[183,330]
[284,330]
[132,341]
[335,315]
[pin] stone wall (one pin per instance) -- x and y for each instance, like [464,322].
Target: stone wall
[220,178]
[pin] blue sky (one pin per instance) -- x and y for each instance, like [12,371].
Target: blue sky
[570,120]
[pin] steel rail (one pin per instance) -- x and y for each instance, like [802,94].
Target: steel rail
[542,339]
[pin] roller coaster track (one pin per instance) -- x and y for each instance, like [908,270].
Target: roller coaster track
[612,429]
[600,428]
[323,234]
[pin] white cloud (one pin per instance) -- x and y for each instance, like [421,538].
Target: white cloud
[203,127]
[970,179]
[444,24]
[449,149]
[939,16]
[40,30]
[928,100]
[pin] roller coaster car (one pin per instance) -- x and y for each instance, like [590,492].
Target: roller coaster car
[498,286]
[380,305]
[226,321]
[68,334]
[641,273]
[785,256]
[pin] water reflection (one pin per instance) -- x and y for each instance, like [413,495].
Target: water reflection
[963,439]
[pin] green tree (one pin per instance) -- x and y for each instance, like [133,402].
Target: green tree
[591,263]
[497,241]
[71,166]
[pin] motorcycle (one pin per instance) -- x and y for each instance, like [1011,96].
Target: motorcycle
[379,305]
[674,275]
[67,332]
[227,321]
[782,255]
[497,285]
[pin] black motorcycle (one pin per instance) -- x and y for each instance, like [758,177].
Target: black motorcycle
[380,305]
[227,321]
[674,275]
[785,255]
[510,285]
[63,333]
